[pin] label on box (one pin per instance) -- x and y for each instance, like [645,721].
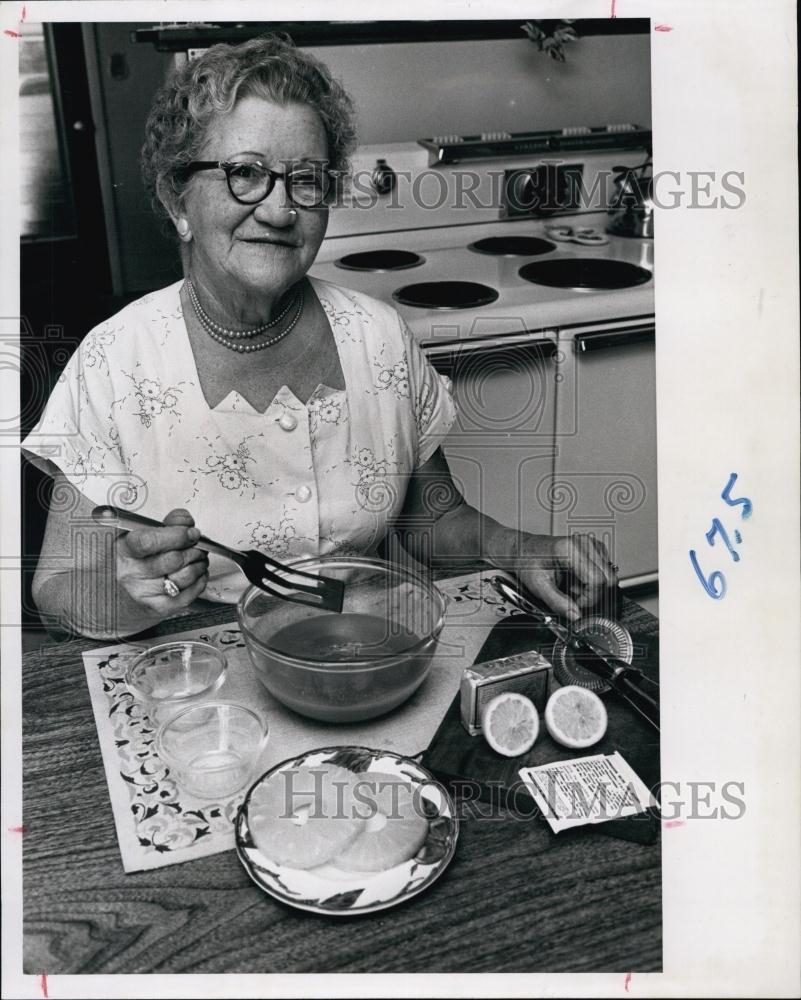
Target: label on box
[526,673]
[587,790]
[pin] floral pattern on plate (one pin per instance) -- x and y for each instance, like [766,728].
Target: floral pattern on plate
[328,889]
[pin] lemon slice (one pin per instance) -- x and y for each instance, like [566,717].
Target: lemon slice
[510,723]
[575,717]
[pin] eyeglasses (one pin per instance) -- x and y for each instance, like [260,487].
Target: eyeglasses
[307,185]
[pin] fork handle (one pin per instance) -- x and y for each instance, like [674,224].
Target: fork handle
[125,520]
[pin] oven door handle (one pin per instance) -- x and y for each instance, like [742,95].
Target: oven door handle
[584,342]
[441,352]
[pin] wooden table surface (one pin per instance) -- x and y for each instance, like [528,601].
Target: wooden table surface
[515,898]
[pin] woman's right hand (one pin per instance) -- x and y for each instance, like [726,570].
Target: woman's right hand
[145,556]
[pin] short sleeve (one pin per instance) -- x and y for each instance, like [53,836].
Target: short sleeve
[432,400]
[77,434]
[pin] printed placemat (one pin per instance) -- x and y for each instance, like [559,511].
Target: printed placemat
[160,824]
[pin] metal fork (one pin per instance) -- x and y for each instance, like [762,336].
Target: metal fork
[268,574]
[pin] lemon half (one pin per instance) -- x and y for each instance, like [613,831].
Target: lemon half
[575,717]
[510,723]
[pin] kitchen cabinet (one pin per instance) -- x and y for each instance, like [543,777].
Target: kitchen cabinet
[503,442]
[605,470]
[557,433]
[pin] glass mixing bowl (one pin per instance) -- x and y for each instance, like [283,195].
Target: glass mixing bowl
[350,666]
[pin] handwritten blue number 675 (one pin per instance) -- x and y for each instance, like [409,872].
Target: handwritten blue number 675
[715,583]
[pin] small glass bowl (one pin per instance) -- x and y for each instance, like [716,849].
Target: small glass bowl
[212,748]
[174,675]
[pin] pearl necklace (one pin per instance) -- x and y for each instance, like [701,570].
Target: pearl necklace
[209,323]
[247,348]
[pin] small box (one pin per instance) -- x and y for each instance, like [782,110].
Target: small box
[525,673]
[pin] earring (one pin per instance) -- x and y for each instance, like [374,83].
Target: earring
[183,229]
[293,213]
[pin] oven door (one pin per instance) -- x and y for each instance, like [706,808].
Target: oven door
[605,471]
[502,445]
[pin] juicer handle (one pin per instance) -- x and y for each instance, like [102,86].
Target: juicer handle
[639,700]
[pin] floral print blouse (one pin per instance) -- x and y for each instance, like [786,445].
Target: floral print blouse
[128,425]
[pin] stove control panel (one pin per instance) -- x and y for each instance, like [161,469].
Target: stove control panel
[491,145]
[542,190]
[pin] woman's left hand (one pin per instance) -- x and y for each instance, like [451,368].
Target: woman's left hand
[569,574]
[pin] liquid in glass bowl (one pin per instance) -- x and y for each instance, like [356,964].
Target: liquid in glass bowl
[351,666]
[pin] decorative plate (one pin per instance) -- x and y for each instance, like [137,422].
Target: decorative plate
[331,890]
[608,635]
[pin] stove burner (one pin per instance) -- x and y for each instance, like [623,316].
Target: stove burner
[445,295]
[513,246]
[380,260]
[584,272]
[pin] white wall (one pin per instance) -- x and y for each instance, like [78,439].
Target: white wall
[407,92]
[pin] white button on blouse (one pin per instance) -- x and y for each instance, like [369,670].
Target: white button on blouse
[287,422]
[303,494]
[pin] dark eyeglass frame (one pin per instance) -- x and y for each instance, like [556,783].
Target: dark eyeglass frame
[228,167]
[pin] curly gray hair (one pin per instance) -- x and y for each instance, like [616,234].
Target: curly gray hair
[197,91]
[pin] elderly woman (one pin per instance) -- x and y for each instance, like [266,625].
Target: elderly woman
[274,410]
